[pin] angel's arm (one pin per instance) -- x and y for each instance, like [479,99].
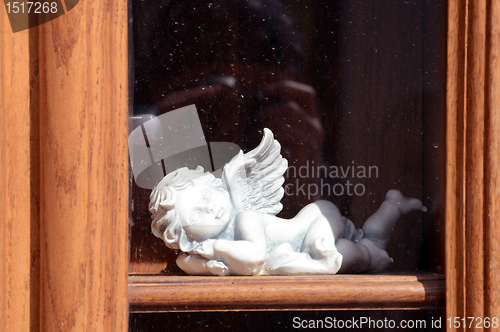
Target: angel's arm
[244,256]
[198,265]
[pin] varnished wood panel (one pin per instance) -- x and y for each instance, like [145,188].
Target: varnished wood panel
[162,293]
[84,173]
[492,163]
[18,184]
[474,158]
[455,149]
[473,161]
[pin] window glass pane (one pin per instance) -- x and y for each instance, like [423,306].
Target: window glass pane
[353,90]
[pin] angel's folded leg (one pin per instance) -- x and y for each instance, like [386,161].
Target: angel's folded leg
[379,226]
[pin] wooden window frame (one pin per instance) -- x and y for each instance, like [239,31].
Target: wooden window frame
[64,186]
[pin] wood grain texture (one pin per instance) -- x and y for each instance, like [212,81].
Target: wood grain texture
[492,162]
[474,159]
[455,149]
[163,293]
[18,217]
[84,177]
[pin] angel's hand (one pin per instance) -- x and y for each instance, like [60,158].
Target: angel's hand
[206,249]
[217,268]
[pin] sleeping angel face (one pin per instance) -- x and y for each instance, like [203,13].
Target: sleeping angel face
[191,206]
[204,211]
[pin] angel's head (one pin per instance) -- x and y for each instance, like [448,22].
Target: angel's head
[189,207]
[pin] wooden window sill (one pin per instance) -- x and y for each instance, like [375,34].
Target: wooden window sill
[153,293]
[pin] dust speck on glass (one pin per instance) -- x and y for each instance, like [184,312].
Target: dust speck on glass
[354,91]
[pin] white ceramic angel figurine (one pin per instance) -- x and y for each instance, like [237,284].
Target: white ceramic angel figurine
[228,226]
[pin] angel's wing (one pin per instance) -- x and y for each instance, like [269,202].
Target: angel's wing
[255,179]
